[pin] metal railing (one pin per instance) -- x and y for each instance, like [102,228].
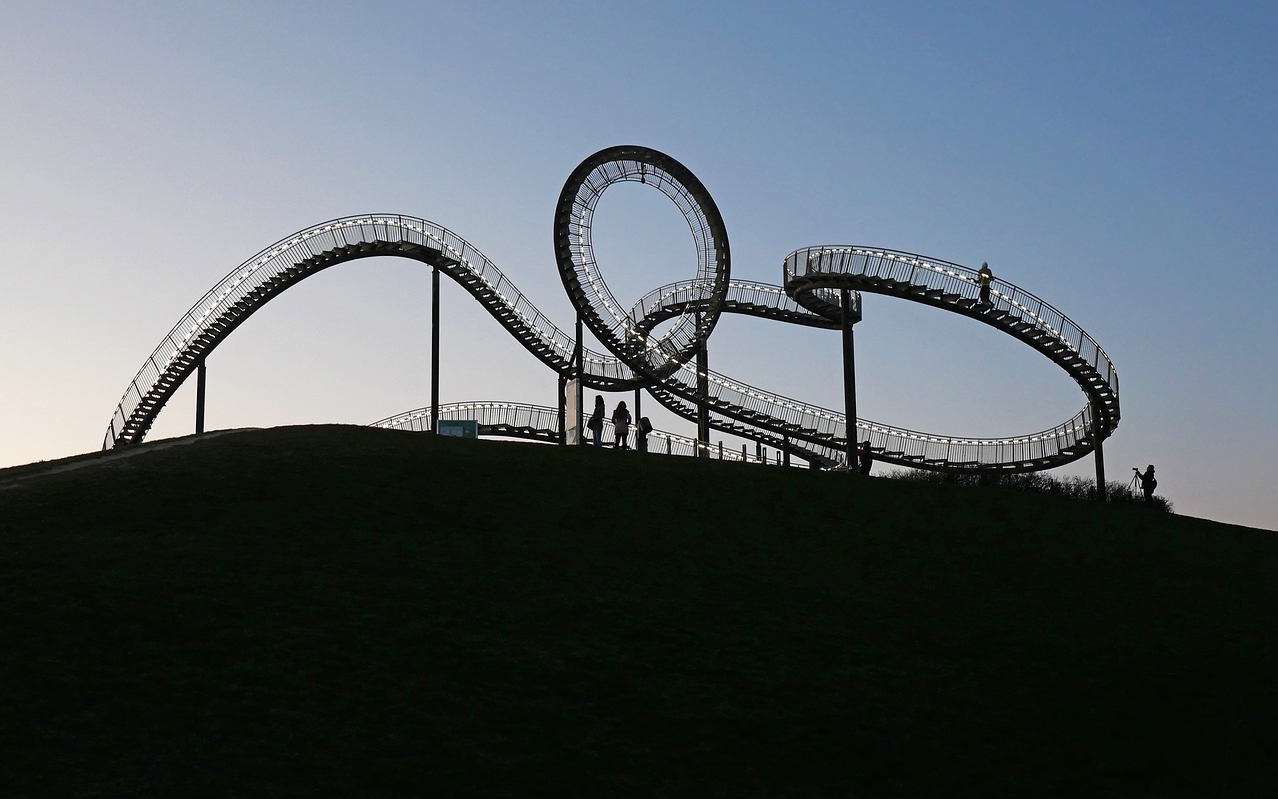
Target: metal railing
[541,423]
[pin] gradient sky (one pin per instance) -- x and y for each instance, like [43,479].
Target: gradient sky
[1116,159]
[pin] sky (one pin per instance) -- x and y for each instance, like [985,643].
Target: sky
[1117,160]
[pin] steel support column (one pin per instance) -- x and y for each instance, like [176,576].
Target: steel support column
[703,393]
[434,350]
[563,409]
[579,357]
[849,378]
[1100,457]
[199,398]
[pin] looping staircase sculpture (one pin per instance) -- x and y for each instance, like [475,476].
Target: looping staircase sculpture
[815,280]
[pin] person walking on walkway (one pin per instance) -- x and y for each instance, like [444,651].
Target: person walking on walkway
[866,456]
[985,277]
[621,425]
[595,425]
[1148,483]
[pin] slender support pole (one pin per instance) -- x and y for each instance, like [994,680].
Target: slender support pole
[849,378]
[199,398]
[638,407]
[579,357]
[435,350]
[563,410]
[1100,457]
[786,442]
[703,393]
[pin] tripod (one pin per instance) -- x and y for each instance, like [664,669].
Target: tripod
[1134,487]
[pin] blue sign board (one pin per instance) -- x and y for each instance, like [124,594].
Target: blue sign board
[463,428]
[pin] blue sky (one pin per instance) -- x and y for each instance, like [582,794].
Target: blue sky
[1119,162]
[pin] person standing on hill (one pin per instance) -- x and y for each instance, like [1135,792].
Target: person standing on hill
[1148,483]
[621,425]
[866,456]
[984,278]
[595,425]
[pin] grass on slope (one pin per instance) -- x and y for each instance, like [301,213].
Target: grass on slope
[346,611]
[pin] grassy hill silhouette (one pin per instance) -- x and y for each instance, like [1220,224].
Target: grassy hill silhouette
[335,610]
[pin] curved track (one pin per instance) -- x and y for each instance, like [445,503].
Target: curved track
[638,357]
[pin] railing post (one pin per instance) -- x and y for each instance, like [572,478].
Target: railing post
[434,350]
[199,398]
[849,378]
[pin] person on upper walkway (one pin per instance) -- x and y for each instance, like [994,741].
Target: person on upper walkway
[984,278]
[595,425]
[866,456]
[1147,483]
[621,425]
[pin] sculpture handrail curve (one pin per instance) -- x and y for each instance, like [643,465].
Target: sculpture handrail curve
[883,271]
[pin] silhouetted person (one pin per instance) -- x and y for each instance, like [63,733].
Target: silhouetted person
[866,457]
[595,425]
[1147,483]
[642,429]
[621,425]
[985,277]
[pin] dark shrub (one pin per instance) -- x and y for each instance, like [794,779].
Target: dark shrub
[1038,483]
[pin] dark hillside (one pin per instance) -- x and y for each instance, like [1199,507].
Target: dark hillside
[346,611]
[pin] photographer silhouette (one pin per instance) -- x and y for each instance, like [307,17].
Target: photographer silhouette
[1147,482]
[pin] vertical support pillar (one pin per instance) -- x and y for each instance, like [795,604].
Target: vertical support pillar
[579,357]
[849,377]
[1100,457]
[434,350]
[786,442]
[703,393]
[562,400]
[638,407]
[199,398]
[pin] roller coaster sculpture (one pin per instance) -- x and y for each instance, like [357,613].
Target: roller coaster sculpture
[820,288]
